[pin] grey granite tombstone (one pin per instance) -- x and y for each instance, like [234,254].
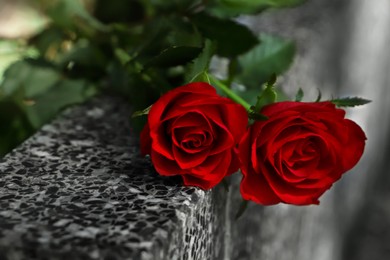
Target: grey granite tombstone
[78,189]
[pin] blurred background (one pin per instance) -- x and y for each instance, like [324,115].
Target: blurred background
[342,48]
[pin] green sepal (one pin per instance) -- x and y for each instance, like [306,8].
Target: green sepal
[350,101]
[319,96]
[141,112]
[299,95]
[252,114]
[268,95]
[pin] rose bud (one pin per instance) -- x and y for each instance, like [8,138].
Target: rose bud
[298,153]
[194,132]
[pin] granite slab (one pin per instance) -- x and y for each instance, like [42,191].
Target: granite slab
[78,189]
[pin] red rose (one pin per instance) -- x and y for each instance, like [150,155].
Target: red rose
[193,132]
[298,153]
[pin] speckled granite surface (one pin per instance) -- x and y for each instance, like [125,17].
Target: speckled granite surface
[78,190]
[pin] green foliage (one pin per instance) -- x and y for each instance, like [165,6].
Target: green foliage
[237,7]
[29,76]
[15,126]
[174,56]
[272,56]
[138,49]
[45,106]
[72,15]
[201,64]
[350,101]
[232,38]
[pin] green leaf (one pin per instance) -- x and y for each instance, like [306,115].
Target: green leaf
[10,52]
[72,14]
[141,112]
[119,11]
[155,33]
[32,77]
[49,39]
[169,6]
[86,62]
[237,7]
[174,56]
[350,101]
[122,56]
[84,55]
[183,33]
[224,32]
[43,108]
[14,126]
[233,69]
[299,95]
[272,56]
[201,64]
[250,4]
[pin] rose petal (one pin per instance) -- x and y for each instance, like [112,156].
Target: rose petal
[190,180]
[208,166]
[223,137]
[186,161]
[289,193]
[192,129]
[223,141]
[161,142]
[188,119]
[234,163]
[146,141]
[244,151]
[173,96]
[302,107]
[255,187]
[195,142]
[354,146]
[210,178]
[165,166]
[235,117]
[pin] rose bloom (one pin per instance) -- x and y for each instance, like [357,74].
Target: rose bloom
[298,153]
[193,132]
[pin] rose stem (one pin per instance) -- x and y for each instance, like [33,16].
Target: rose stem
[233,96]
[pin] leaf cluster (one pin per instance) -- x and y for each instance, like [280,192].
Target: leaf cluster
[138,49]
